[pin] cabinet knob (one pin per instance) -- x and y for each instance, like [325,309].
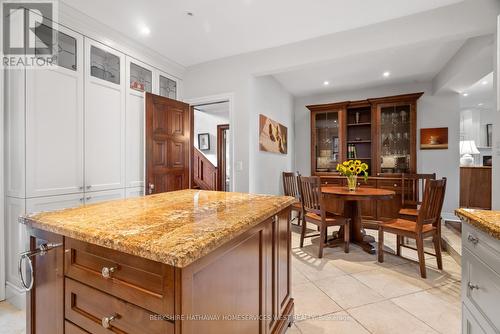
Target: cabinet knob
[88,198]
[474,240]
[80,188]
[88,187]
[473,286]
[151,188]
[395,185]
[81,199]
[106,321]
[107,271]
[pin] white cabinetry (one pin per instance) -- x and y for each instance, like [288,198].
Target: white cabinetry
[54,125]
[101,196]
[134,192]
[104,117]
[480,281]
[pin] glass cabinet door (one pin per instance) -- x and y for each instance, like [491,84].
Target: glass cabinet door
[64,47]
[327,141]
[168,87]
[395,139]
[104,65]
[140,78]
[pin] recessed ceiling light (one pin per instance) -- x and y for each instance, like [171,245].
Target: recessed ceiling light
[326,83]
[484,82]
[387,74]
[144,30]
[465,94]
[480,104]
[189,13]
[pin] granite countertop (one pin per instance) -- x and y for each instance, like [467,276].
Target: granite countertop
[485,220]
[175,228]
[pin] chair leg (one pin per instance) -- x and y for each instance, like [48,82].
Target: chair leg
[322,235]
[421,255]
[303,233]
[326,235]
[380,244]
[299,218]
[437,249]
[346,236]
[398,245]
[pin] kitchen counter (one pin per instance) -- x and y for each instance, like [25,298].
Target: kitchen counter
[174,228]
[183,262]
[485,220]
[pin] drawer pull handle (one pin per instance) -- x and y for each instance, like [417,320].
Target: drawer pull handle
[106,321]
[472,239]
[473,286]
[107,271]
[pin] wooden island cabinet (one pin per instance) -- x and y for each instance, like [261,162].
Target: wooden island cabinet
[180,262]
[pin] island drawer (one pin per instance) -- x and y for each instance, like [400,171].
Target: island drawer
[70,328]
[482,245]
[97,312]
[140,281]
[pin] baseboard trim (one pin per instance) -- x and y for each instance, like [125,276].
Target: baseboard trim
[15,295]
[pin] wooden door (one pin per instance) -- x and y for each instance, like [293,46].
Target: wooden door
[168,144]
[222,133]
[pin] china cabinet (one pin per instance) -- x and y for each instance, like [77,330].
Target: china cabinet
[378,131]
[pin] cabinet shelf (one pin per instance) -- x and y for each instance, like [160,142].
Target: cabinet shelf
[360,124]
[359,142]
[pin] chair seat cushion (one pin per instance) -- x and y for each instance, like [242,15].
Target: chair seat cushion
[404,225]
[408,212]
[297,206]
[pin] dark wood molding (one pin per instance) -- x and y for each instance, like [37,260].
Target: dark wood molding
[205,174]
[221,157]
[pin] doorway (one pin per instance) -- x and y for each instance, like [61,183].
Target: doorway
[212,165]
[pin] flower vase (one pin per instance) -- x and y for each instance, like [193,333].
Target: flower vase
[352,182]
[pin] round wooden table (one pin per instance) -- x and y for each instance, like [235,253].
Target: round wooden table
[352,209]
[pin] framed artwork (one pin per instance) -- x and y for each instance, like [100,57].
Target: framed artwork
[272,136]
[434,139]
[489,135]
[204,141]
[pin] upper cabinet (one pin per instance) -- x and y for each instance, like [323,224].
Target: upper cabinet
[54,120]
[378,131]
[168,87]
[104,117]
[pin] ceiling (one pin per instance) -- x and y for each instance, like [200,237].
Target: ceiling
[220,109]
[411,63]
[480,95]
[222,28]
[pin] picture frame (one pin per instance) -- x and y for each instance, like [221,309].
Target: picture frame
[273,136]
[204,141]
[434,139]
[489,135]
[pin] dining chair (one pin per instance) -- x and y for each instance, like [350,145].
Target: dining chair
[313,211]
[427,224]
[412,186]
[291,188]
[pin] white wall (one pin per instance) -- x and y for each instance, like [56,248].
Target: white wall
[205,122]
[496,127]
[272,100]
[441,110]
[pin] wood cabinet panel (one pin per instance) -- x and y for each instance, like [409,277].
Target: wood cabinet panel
[475,187]
[46,314]
[70,328]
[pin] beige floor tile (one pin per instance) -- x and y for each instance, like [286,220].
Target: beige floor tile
[311,302]
[387,318]
[312,267]
[439,307]
[298,277]
[435,277]
[348,292]
[337,323]
[293,330]
[358,260]
[12,320]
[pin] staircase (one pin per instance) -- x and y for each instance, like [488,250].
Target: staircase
[204,172]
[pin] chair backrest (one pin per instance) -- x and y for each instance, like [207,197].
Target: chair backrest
[432,203]
[412,186]
[290,186]
[310,194]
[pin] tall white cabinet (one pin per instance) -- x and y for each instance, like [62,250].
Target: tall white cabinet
[74,134]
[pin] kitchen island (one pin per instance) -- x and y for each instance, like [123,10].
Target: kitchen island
[189,261]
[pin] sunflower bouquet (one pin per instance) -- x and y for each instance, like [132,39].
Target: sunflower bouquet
[351,169]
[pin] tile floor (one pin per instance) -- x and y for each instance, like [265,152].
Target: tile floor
[352,293]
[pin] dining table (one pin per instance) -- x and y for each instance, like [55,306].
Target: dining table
[352,209]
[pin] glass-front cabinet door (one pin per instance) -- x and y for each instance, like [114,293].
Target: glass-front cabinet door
[141,79]
[396,141]
[104,65]
[326,137]
[168,87]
